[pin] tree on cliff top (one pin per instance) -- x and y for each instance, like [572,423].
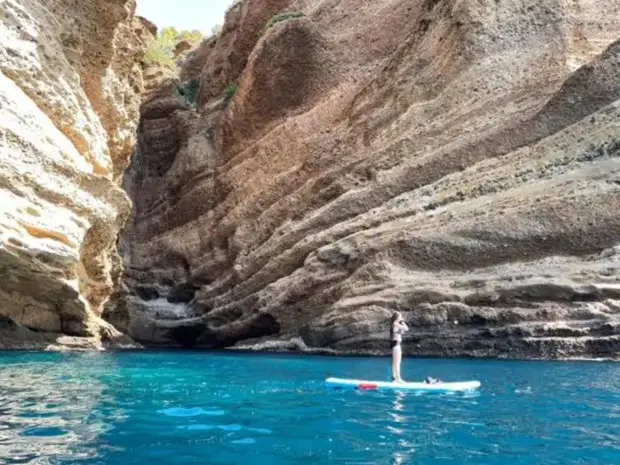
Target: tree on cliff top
[162,49]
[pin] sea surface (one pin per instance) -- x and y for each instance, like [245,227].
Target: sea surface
[182,408]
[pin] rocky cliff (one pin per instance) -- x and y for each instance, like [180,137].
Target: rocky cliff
[69,95]
[458,161]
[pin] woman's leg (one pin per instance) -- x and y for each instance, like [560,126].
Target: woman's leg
[396,358]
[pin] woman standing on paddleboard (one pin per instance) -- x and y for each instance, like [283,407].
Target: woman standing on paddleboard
[397,328]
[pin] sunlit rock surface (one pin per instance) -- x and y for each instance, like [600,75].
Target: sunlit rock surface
[454,160]
[69,95]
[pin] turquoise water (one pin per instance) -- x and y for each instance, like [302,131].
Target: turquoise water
[173,408]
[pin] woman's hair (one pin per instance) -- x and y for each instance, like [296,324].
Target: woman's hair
[395,317]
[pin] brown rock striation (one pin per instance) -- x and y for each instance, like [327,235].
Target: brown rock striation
[456,161]
[69,102]
[245,22]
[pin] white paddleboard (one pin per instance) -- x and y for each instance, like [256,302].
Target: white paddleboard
[387,385]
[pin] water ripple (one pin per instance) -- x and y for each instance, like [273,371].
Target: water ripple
[190,412]
[179,408]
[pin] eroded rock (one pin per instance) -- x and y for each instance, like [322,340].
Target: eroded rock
[456,161]
[69,98]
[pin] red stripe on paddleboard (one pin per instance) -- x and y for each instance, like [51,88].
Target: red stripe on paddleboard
[367,386]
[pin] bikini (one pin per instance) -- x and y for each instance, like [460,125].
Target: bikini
[397,338]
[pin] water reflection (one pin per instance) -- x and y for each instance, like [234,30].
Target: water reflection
[49,410]
[420,423]
[404,449]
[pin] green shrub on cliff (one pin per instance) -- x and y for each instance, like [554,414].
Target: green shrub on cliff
[283,17]
[231,90]
[161,50]
[189,91]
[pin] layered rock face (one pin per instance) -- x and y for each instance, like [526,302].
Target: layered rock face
[457,161]
[69,95]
